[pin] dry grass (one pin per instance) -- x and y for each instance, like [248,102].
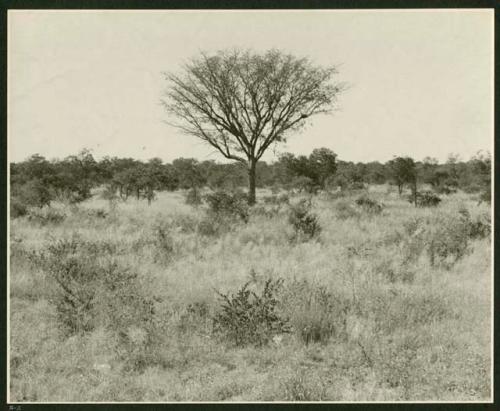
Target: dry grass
[393,329]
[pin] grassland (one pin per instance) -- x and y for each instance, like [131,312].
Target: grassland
[403,328]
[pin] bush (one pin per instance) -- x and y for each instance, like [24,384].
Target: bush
[193,197]
[17,208]
[447,240]
[480,227]
[369,205]
[425,198]
[234,205]
[93,290]
[34,193]
[304,223]
[247,318]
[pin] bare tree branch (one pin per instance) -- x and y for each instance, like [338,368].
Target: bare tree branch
[240,102]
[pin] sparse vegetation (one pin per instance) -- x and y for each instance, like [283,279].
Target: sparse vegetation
[377,305]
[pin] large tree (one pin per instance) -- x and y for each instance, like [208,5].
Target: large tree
[241,102]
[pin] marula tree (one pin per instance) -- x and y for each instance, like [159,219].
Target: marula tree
[240,102]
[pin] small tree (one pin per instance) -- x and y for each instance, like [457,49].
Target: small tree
[318,168]
[403,171]
[241,102]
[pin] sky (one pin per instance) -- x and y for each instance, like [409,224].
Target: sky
[421,82]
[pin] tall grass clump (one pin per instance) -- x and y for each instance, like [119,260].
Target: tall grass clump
[316,313]
[248,318]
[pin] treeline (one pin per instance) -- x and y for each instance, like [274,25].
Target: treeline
[38,181]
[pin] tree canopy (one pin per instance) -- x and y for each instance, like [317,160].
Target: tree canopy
[241,102]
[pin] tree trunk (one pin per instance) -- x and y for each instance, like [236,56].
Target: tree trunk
[251,181]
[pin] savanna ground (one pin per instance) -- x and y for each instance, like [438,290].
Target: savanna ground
[382,306]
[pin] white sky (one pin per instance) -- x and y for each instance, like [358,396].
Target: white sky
[422,81]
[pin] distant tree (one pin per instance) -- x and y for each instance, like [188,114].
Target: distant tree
[31,181]
[75,176]
[403,171]
[189,173]
[348,176]
[318,168]
[241,102]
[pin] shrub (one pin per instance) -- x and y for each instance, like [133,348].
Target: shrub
[425,198]
[480,227]
[34,193]
[17,208]
[369,205]
[93,290]
[247,318]
[304,223]
[447,240]
[228,205]
[193,197]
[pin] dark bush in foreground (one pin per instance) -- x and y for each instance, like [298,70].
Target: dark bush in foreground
[247,318]
[304,223]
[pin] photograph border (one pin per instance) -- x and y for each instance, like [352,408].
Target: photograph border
[133,5]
